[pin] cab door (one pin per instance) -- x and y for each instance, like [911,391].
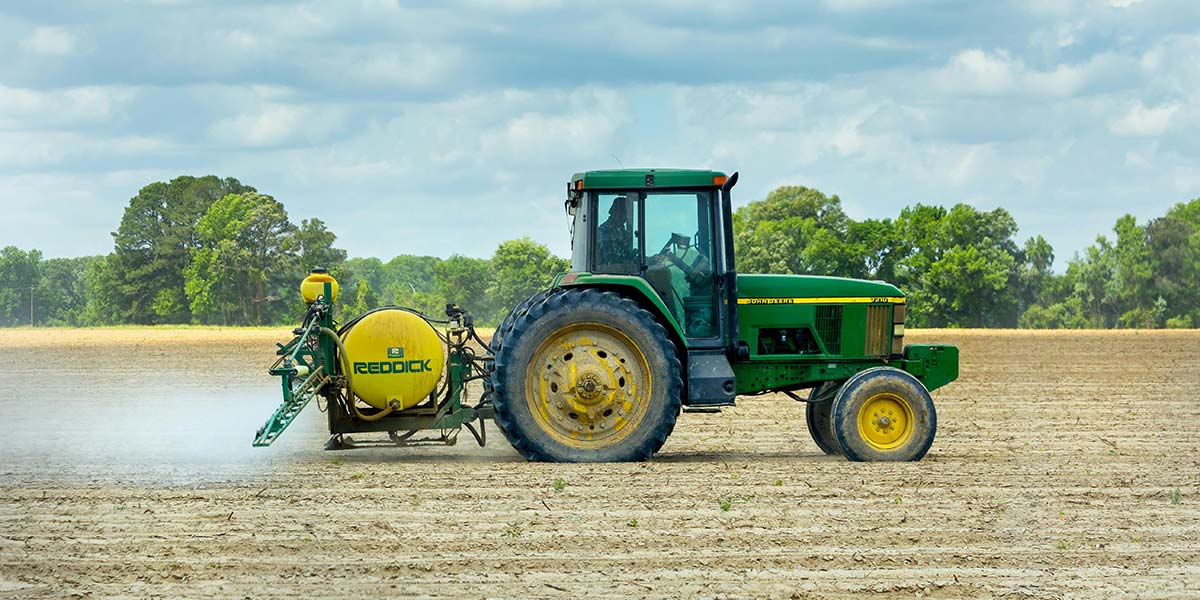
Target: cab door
[679,258]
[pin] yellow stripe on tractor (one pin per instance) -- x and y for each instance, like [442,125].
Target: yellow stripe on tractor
[859,300]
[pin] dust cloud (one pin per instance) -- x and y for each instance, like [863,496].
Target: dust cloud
[154,404]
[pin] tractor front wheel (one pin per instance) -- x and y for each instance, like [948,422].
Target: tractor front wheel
[818,415]
[884,414]
[586,375]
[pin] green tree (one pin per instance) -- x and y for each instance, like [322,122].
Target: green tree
[20,274]
[1036,276]
[958,266]
[520,268]
[966,286]
[793,230]
[410,274]
[313,244]
[1173,244]
[1133,272]
[240,273]
[154,245]
[465,280]
[1068,314]
[370,269]
[363,300]
[103,293]
[62,295]
[1091,277]
[874,250]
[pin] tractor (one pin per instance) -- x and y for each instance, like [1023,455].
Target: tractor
[651,319]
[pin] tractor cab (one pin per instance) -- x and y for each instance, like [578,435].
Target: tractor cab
[663,226]
[664,237]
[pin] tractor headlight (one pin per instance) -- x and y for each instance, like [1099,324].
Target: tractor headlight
[898,314]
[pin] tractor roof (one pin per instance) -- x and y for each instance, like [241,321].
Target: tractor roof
[637,178]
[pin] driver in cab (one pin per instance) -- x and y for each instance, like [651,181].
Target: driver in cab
[690,270]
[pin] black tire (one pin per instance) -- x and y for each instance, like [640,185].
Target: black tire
[892,402]
[580,309]
[502,330]
[818,415]
[520,309]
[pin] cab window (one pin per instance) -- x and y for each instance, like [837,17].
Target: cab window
[679,257]
[616,234]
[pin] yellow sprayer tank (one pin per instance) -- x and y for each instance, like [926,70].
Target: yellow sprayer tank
[395,357]
[314,285]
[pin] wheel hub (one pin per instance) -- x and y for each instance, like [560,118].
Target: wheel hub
[885,421]
[589,385]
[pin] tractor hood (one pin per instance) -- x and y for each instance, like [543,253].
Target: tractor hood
[812,286]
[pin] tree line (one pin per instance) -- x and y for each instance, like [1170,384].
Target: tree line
[213,251]
[963,267]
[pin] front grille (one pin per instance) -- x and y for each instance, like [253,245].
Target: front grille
[879,330]
[829,328]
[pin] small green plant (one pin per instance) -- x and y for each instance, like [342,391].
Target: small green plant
[633,522]
[1065,546]
[358,475]
[337,462]
[898,500]
[559,484]
[513,530]
[725,503]
[778,483]
[1175,496]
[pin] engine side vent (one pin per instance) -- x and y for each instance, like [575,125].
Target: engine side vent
[829,327]
[879,330]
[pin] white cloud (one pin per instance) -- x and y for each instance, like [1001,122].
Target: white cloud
[275,124]
[22,108]
[51,149]
[1136,159]
[859,5]
[998,73]
[1143,121]
[50,40]
[418,66]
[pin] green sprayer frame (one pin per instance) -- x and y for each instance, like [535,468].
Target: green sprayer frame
[308,366]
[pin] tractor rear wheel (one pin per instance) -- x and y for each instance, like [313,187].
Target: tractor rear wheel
[884,414]
[502,331]
[586,375]
[818,414]
[519,310]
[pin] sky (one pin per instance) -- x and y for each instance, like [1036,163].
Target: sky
[447,127]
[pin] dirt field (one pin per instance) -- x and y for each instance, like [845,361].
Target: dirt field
[1065,466]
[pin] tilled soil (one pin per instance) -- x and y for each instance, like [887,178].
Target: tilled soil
[1065,466]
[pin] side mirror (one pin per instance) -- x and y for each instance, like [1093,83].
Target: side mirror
[729,182]
[571,205]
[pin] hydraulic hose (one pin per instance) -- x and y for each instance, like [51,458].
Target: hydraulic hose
[350,400]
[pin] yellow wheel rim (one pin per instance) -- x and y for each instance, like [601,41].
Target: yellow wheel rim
[885,421]
[588,386]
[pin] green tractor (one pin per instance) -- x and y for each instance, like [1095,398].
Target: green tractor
[652,319]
